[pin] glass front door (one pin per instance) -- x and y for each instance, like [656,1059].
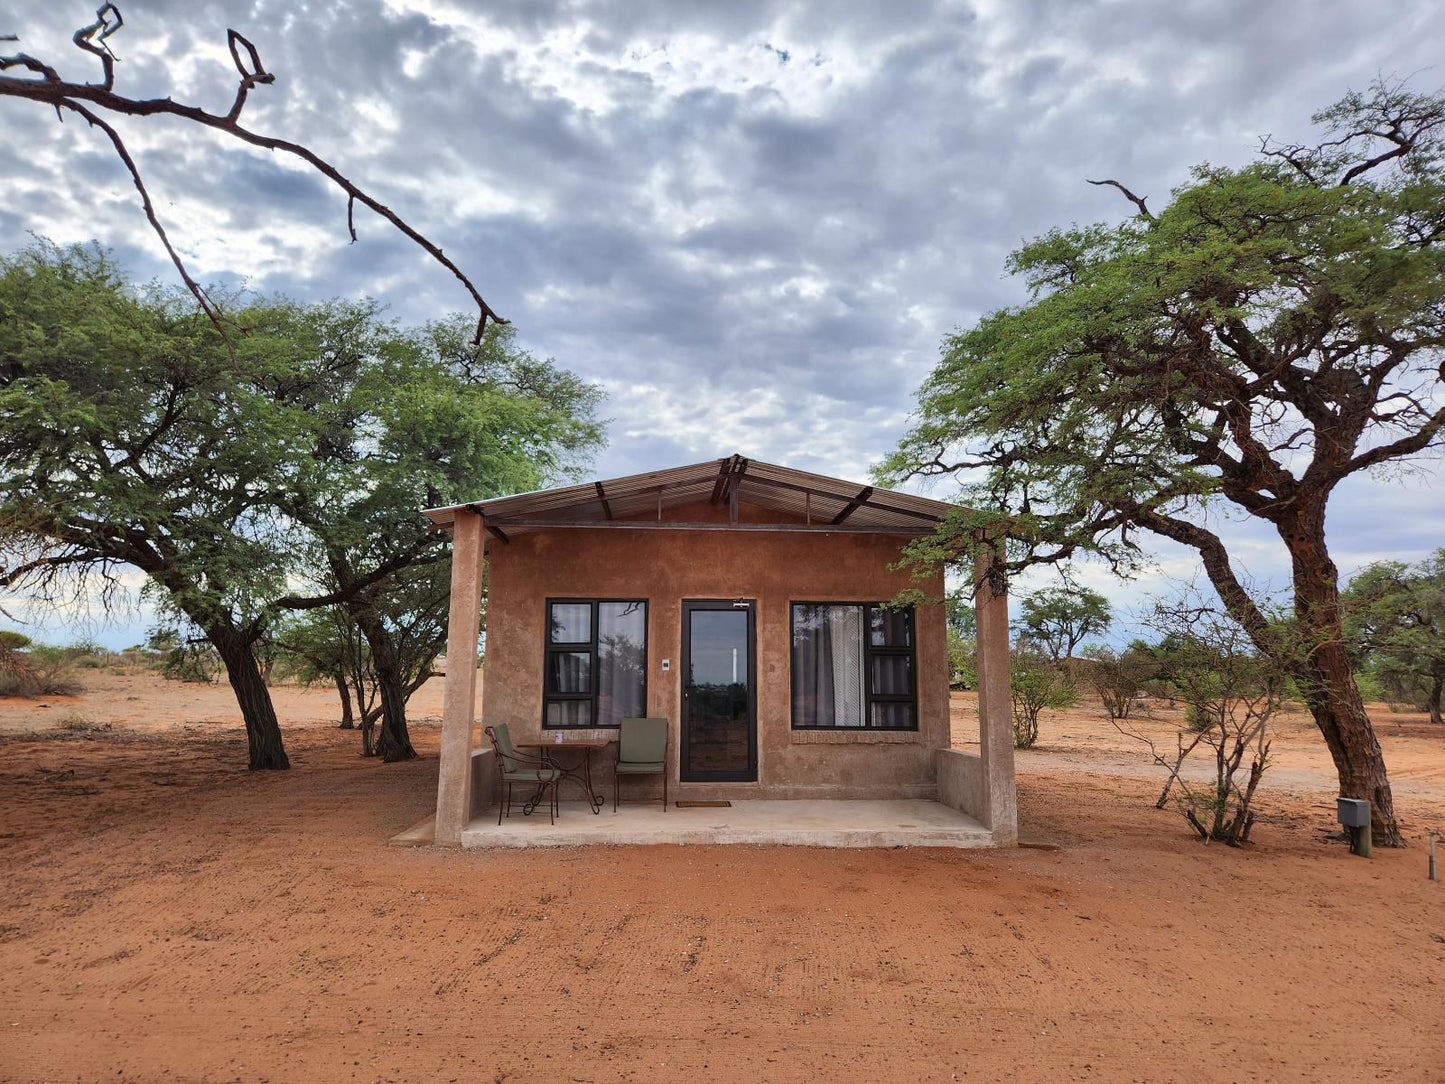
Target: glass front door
[719,733]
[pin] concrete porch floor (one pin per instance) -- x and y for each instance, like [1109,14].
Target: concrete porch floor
[802,823]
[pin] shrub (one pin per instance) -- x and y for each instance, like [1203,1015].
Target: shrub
[962,661]
[41,671]
[1035,683]
[1119,677]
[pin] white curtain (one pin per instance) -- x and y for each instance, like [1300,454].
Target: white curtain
[846,625]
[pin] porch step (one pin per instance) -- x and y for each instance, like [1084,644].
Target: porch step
[804,823]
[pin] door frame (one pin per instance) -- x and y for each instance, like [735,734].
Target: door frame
[685,774]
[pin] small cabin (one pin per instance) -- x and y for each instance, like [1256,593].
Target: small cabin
[748,604]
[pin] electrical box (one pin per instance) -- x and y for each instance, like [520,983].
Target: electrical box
[1352,812]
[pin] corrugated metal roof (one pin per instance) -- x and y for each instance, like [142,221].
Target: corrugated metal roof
[812,498]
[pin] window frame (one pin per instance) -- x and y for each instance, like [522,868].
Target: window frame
[868,654]
[590,647]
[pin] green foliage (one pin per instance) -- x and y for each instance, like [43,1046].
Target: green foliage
[960,614]
[1369,685]
[1119,677]
[185,658]
[1272,331]
[1036,683]
[1061,618]
[15,641]
[285,477]
[962,660]
[1123,389]
[1395,625]
[39,670]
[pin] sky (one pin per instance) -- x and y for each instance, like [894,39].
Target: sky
[751,223]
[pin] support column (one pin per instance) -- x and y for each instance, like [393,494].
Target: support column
[995,706]
[459,694]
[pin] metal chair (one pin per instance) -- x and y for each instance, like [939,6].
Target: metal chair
[514,767]
[641,750]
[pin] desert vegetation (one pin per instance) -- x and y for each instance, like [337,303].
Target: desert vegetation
[1271,332]
[120,415]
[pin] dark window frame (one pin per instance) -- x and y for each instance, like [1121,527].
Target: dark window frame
[868,654]
[740,775]
[590,647]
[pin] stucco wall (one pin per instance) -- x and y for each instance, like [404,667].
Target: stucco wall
[774,569]
[961,783]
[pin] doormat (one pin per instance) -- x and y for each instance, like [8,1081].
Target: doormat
[703,805]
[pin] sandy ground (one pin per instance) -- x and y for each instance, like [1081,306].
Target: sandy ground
[169,916]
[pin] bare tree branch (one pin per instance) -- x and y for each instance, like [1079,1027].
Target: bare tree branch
[58,93]
[1137,201]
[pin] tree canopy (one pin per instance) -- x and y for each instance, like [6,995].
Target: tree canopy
[1272,331]
[1395,621]
[1061,618]
[282,474]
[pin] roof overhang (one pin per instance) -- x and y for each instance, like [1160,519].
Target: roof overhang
[811,502]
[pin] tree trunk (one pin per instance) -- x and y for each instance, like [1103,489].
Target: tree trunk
[263,733]
[1326,679]
[348,720]
[394,742]
[1435,692]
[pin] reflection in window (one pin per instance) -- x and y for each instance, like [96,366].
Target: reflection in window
[596,665]
[844,678]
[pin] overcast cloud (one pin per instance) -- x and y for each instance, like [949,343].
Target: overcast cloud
[752,223]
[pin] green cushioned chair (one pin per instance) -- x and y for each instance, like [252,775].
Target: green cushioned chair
[641,750]
[514,767]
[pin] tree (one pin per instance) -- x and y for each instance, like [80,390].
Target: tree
[284,474]
[1395,618]
[1272,332]
[1060,618]
[44,85]
[962,641]
[119,418]
[414,419]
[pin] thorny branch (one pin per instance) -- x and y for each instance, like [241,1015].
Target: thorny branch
[46,86]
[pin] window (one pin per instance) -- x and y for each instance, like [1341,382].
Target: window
[853,666]
[595,671]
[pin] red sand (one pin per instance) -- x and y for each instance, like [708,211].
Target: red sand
[168,915]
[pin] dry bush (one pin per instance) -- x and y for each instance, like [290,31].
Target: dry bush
[1119,678]
[1035,683]
[39,671]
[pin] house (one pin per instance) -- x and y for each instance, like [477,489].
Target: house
[743,602]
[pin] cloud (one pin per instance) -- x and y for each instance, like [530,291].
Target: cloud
[751,255]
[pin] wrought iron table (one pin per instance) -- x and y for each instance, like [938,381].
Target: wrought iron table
[579,772]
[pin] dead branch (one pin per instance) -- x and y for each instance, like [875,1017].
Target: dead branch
[1137,201]
[45,85]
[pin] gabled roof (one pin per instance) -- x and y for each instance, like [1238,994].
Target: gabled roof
[809,498]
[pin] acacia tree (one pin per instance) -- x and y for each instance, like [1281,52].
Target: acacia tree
[119,420]
[415,419]
[282,475]
[1273,331]
[1061,618]
[1395,617]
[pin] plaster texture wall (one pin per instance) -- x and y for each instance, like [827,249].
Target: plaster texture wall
[774,569]
[961,784]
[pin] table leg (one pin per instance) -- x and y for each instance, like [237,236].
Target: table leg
[592,795]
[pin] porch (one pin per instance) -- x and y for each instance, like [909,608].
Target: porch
[797,823]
